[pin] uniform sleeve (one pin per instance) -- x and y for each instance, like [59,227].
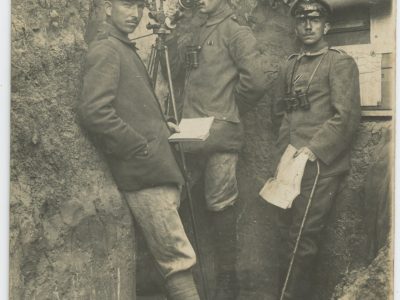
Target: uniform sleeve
[97,114]
[336,134]
[278,107]
[252,81]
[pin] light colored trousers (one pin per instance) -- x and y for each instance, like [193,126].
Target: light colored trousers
[156,212]
[220,184]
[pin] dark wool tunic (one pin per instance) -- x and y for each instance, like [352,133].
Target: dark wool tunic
[122,114]
[328,127]
[228,81]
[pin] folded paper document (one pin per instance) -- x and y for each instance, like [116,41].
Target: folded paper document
[285,187]
[194,129]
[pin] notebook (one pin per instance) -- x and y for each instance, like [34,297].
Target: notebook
[192,130]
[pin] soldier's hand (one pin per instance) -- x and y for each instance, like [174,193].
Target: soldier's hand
[173,14]
[172,9]
[306,151]
[173,127]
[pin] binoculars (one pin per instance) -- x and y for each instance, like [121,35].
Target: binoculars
[192,56]
[297,101]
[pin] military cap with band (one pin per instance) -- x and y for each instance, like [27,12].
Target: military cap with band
[312,8]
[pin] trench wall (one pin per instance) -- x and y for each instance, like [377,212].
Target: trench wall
[72,236]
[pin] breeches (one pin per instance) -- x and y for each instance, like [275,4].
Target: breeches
[156,212]
[219,171]
[290,220]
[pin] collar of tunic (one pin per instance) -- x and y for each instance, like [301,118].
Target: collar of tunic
[321,49]
[219,16]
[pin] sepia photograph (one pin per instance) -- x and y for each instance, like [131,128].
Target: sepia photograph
[202,150]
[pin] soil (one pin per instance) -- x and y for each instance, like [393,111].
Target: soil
[71,234]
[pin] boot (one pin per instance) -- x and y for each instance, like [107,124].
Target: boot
[225,254]
[298,286]
[180,286]
[227,286]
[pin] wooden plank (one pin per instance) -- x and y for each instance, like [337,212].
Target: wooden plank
[377,113]
[370,67]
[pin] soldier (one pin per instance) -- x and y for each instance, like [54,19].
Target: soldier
[319,90]
[120,111]
[224,79]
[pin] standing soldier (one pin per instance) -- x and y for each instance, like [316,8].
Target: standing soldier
[319,90]
[224,79]
[119,109]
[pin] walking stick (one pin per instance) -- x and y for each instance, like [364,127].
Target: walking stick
[289,271]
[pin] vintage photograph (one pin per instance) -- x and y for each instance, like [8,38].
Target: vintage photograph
[202,149]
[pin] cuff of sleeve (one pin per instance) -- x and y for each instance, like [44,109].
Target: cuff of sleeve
[325,153]
[172,120]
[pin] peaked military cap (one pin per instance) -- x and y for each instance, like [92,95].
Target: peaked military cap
[315,8]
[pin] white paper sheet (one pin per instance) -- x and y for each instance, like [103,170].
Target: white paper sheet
[193,129]
[285,187]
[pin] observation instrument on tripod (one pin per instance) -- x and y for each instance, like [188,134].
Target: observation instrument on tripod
[164,21]
[161,27]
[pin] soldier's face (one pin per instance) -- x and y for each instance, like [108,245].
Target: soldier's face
[210,6]
[311,30]
[125,15]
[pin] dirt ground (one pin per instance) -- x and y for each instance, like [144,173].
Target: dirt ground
[71,234]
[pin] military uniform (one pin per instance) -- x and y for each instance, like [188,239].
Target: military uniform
[228,81]
[120,111]
[216,88]
[325,123]
[328,126]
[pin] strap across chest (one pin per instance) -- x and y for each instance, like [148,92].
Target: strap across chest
[206,33]
[295,68]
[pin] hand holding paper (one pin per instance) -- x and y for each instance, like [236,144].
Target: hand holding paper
[285,187]
[306,151]
[191,130]
[173,127]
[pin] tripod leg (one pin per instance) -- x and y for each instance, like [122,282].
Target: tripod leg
[170,86]
[155,68]
[150,67]
[187,183]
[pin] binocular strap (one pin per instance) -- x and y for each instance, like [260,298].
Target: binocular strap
[200,42]
[311,77]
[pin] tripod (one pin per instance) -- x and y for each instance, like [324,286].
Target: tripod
[159,50]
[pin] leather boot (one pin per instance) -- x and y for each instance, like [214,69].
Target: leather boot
[225,254]
[180,286]
[298,286]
